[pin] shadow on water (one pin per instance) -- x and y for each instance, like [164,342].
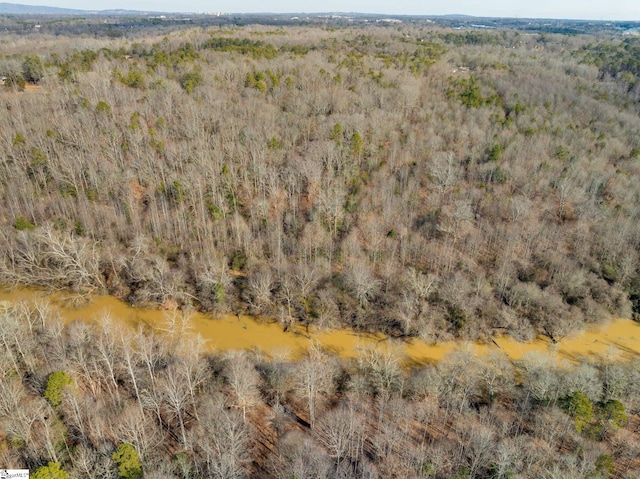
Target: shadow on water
[410,363]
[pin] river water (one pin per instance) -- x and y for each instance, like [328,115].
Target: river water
[228,332]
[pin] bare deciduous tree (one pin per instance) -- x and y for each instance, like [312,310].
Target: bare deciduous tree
[314,375]
[243,380]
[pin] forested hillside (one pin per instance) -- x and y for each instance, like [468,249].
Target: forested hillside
[98,401]
[405,179]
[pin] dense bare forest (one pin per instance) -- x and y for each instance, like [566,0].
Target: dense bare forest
[96,401]
[409,179]
[405,179]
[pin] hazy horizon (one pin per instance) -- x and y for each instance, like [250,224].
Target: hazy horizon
[572,9]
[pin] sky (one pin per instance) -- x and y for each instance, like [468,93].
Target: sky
[577,9]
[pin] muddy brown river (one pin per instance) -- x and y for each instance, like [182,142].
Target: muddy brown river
[227,332]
